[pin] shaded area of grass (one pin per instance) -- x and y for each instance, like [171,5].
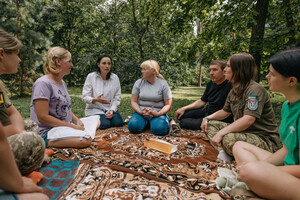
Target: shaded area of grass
[181,97]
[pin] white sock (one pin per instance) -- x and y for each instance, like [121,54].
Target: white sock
[224,156]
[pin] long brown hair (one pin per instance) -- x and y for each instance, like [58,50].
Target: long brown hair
[243,71]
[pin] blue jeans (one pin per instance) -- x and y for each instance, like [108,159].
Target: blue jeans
[158,125]
[115,121]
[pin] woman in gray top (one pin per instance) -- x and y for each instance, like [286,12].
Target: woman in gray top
[151,99]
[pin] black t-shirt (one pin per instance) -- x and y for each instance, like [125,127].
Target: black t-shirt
[215,95]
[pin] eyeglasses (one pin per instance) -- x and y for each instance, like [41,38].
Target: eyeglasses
[145,69]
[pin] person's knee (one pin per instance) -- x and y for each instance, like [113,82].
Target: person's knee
[161,131]
[227,142]
[160,126]
[237,147]
[134,126]
[249,171]
[85,142]
[191,123]
[28,149]
[105,124]
[117,121]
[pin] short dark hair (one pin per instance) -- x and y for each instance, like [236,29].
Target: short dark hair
[287,63]
[98,61]
[221,63]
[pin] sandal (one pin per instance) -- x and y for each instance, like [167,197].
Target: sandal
[175,130]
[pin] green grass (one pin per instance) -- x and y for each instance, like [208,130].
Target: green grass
[181,97]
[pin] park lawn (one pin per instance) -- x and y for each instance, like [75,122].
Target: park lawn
[181,97]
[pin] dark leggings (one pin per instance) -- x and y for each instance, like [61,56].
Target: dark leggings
[192,119]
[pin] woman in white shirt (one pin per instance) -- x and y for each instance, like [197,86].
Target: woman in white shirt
[102,94]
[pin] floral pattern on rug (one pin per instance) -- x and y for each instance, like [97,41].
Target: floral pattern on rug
[94,182]
[193,167]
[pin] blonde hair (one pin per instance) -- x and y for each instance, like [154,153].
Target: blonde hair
[10,44]
[52,55]
[153,65]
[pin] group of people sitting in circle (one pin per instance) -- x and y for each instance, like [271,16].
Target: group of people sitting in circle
[235,112]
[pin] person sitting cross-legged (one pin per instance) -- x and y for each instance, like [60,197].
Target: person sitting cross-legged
[51,105]
[277,175]
[151,100]
[102,94]
[249,102]
[212,100]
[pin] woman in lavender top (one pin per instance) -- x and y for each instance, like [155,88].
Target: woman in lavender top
[51,103]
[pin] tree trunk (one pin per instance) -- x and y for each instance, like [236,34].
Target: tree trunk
[289,22]
[200,75]
[199,31]
[115,29]
[22,74]
[140,31]
[257,34]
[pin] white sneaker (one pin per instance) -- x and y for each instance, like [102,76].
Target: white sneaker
[224,156]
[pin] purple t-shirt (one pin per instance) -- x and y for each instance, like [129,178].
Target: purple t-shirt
[58,98]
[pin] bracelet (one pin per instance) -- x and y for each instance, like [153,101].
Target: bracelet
[207,118]
[139,110]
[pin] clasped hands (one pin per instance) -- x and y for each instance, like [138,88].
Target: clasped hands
[146,112]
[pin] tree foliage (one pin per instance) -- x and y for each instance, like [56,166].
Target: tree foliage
[181,35]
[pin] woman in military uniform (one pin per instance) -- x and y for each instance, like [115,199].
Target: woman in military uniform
[21,152]
[249,102]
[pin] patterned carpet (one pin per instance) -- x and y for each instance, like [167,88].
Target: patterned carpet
[118,166]
[58,175]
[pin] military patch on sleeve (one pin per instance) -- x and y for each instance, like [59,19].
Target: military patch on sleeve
[2,102]
[252,103]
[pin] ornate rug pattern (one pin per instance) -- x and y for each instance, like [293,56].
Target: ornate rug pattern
[115,152]
[58,175]
[96,182]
